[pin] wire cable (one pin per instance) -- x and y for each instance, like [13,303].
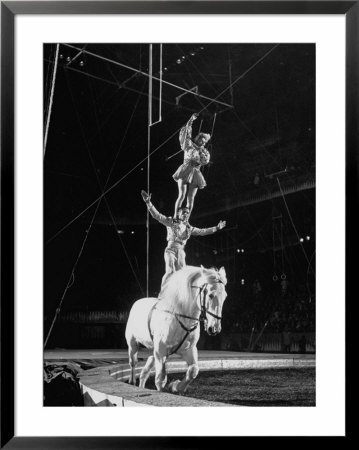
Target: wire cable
[72,274]
[71,278]
[294,227]
[109,176]
[51,97]
[155,150]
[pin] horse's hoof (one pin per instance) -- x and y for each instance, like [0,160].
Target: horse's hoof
[173,386]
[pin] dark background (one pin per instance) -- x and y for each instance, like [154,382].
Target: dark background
[99,127]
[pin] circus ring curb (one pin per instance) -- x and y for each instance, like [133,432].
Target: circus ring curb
[106,386]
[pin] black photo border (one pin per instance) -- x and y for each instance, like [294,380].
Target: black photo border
[9,9]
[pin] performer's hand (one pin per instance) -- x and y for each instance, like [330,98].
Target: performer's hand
[194,117]
[221,224]
[146,197]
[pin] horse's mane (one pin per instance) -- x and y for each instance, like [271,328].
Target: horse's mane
[177,291]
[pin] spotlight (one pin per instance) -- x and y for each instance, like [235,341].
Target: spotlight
[61,56]
[192,53]
[178,61]
[120,232]
[202,48]
[242,250]
[308,238]
[81,63]
[132,232]
[165,69]
[301,240]
[183,57]
[242,281]
[68,59]
[238,251]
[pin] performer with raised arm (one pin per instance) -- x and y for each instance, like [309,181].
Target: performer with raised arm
[178,233]
[189,176]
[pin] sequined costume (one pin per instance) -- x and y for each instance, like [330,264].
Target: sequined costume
[194,157]
[178,233]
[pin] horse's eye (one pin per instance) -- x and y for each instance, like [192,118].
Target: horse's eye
[211,296]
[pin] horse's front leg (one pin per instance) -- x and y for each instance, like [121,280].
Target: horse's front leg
[145,373]
[191,358]
[161,376]
[132,359]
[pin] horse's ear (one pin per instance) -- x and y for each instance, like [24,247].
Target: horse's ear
[202,269]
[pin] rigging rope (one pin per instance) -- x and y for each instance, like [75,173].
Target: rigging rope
[283,276]
[51,97]
[110,188]
[294,227]
[275,276]
[71,278]
[200,126]
[230,176]
[142,73]
[109,176]
[72,275]
[232,84]
[156,149]
[49,72]
[245,126]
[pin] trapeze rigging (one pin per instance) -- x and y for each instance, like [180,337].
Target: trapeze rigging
[188,176]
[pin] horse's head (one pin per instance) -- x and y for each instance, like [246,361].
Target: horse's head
[212,297]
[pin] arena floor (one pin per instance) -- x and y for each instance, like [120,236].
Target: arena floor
[100,371]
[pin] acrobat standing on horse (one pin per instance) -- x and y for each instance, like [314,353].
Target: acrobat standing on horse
[178,233]
[189,176]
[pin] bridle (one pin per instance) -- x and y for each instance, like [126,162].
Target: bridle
[204,310]
[202,293]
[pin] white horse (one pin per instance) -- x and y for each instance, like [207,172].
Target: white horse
[171,324]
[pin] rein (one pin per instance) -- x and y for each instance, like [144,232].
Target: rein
[177,315]
[204,310]
[202,316]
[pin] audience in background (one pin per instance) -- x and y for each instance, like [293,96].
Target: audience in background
[293,309]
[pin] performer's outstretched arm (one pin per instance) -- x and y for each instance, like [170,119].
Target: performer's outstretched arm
[185,134]
[153,211]
[205,231]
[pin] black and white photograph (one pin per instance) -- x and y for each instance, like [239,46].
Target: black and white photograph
[179,214]
[178,194]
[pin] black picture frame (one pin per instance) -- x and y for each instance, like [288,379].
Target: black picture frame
[9,10]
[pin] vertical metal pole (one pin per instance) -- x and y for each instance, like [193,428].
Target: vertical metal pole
[160,79]
[160,100]
[148,159]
